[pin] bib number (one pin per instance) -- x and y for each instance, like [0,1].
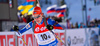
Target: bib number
[44,36]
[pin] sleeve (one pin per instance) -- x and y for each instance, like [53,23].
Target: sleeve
[55,25]
[27,27]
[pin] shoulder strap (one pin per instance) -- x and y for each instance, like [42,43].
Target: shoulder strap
[45,21]
[34,25]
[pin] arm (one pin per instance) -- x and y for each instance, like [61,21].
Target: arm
[54,23]
[26,28]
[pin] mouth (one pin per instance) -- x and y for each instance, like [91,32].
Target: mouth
[37,21]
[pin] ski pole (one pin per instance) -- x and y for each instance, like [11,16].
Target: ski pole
[23,41]
[22,38]
[15,28]
[57,37]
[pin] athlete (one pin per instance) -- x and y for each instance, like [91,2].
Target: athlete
[41,31]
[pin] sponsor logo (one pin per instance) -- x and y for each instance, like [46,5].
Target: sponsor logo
[28,26]
[52,44]
[77,40]
[69,40]
[42,28]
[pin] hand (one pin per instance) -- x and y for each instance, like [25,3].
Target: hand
[15,28]
[49,27]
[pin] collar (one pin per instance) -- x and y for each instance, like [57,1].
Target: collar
[41,22]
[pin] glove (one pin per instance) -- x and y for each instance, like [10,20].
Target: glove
[49,27]
[15,28]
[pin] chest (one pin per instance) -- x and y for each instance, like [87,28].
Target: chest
[40,28]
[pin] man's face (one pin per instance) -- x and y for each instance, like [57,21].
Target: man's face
[37,17]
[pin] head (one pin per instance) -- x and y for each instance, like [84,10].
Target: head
[37,14]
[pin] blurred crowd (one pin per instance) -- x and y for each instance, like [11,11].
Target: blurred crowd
[92,23]
[25,18]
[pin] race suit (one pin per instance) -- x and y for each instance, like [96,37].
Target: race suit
[43,35]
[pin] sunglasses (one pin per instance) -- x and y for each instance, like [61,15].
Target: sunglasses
[36,17]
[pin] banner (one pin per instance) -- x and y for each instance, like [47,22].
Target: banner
[93,36]
[82,37]
[71,37]
[29,39]
[75,37]
[7,39]
[61,35]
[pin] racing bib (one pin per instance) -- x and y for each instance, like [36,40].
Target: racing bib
[45,37]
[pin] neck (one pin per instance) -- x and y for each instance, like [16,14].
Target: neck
[40,22]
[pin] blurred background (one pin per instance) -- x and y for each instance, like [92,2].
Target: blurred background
[78,14]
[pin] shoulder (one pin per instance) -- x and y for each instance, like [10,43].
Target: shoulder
[50,21]
[47,18]
[29,25]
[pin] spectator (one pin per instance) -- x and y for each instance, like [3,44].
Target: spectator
[72,25]
[76,25]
